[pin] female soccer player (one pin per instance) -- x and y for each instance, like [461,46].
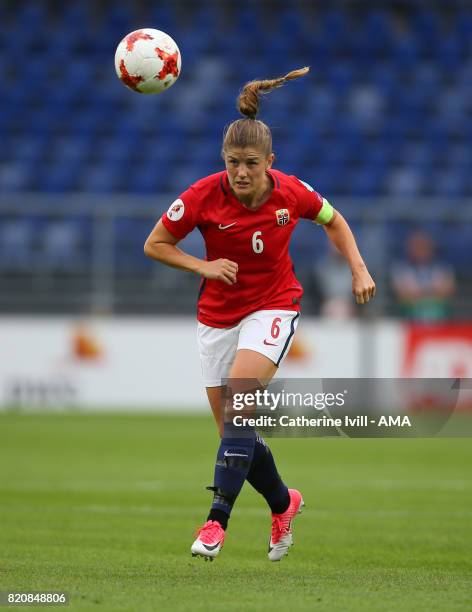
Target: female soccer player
[249,301]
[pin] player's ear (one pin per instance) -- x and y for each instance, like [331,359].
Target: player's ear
[270,160]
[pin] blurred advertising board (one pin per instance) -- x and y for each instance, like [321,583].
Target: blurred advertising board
[152,363]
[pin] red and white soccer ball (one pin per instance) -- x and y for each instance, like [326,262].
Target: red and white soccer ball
[148,61]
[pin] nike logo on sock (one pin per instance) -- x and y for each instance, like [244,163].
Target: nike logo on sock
[226,454]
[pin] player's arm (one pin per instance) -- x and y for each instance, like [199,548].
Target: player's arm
[161,245]
[340,234]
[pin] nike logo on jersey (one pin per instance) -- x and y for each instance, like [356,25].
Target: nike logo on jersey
[270,343]
[223,227]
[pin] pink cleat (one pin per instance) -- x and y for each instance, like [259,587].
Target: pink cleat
[281,537]
[209,541]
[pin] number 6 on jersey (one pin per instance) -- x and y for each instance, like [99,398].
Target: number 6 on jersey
[257,244]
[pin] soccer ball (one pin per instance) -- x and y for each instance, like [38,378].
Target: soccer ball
[147,61]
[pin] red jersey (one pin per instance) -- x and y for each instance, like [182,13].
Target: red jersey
[257,240]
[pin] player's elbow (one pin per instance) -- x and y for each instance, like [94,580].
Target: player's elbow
[150,249]
[154,249]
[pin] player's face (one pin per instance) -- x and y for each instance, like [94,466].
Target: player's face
[246,169]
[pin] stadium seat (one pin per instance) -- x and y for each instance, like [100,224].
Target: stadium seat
[64,245]
[17,244]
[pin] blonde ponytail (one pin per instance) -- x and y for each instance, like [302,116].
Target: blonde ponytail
[250,132]
[248,100]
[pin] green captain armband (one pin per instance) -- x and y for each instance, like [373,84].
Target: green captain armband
[326,213]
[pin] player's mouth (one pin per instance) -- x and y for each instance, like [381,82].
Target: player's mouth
[242,184]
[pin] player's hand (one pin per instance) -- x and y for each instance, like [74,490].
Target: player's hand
[363,286]
[223,270]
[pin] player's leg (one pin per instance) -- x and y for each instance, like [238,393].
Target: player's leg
[235,453]
[249,364]
[217,349]
[262,474]
[284,503]
[272,333]
[216,399]
[211,535]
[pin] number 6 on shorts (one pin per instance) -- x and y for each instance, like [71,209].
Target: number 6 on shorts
[269,332]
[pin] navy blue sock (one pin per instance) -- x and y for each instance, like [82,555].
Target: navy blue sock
[263,476]
[233,462]
[220,516]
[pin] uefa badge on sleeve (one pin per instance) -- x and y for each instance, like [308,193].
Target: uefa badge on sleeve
[176,210]
[283,216]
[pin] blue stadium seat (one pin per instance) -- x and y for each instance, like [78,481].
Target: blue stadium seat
[64,245]
[15,176]
[59,178]
[366,181]
[405,181]
[17,244]
[426,24]
[130,234]
[450,183]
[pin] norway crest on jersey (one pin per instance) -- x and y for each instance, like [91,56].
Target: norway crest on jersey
[283,216]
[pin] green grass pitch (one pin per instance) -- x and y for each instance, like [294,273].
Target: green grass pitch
[105,507]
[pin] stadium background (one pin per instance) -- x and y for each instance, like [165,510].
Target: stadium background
[382,128]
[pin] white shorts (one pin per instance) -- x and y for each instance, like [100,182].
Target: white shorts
[269,332]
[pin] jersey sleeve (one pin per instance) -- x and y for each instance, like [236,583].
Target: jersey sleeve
[183,213]
[312,205]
